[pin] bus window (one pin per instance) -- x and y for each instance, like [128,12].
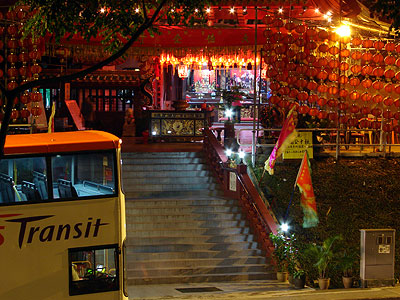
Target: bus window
[93,270]
[83,175]
[18,182]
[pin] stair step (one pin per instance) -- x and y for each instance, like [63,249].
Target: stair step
[128,167]
[202,278]
[158,248]
[172,194]
[196,271]
[163,161]
[196,201]
[132,155]
[134,256]
[200,262]
[133,240]
[160,210]
[186,231]
[186,224]
[181,173]
[169,187]
[170,180]
[187,217]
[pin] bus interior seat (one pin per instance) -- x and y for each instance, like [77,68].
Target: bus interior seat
[66,189]
[40,181]
[99,187]
[30,190]
[7,192]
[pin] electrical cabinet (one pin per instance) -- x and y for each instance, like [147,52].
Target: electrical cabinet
[377,257]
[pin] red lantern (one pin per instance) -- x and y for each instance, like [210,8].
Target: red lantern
[12,58]
[367,56]
[25,98]
[301,28]
[323,48]
[293,93]
[322,88]
[356,55]
[343,106]
[389,87]
[311,45]
[284,103]
[378,72]
[388,101]
[344,66]
[378,85]
[334,63]
[300,42]
[378,45]
[343,79]
[354,81]
[354,109]
[332,102]
[366,97]
[36,111]
[311,72]
[322,115]
[12,85]
[323,35]
[345,53]
[366,70]
[387,114]
[322,75]
[25,113]
[389,73]
[311,58]
[313,112]
[397,89]
[376,125]
[390,46]
[397,115]
[376,112]
[377,98]
[390,60]
[301,69]
[274,86]
[35,69]
[302,96]
[322,101]
[333,36]
[301,83]
[313,98]
[397,103]
[355,41]
[387,127]
[367,43]
[365,123]
[343,93]
[333,77]
[366,83]
[332,116]
[333,90]
[354,95]
[396,129]
[377,58]
[334,50]
[14,114]
[343,119]
[268,20]
[303,109]
[12,30]
[312,85]
[301,55]
[365,110]
[322,62]
[355,69]
[398,75]
[290,25]
[12,72]
[274,99]
[353,122]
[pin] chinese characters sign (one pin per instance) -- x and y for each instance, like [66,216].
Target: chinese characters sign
[296,149]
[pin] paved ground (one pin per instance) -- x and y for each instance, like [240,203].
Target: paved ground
[256,290]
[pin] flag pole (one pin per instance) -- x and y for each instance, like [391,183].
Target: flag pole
[290,203]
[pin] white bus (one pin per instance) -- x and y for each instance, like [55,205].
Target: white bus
[62,217]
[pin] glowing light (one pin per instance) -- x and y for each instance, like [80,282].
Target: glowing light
[208,10]
[329,13]
[196,10]
[154,133]
[228,152]
[232,10]
[244,10]
[329,19]
[102,10]
[228,113]
[137,10]
[343,30]
[172,10]
[280,10]
[284,227]
[241,154]
[317,10]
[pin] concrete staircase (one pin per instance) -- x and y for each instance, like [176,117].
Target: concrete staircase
[179,226]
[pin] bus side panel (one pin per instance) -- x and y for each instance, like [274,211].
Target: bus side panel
[34,243]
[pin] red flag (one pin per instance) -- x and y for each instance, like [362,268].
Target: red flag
[286,137]
[308,203]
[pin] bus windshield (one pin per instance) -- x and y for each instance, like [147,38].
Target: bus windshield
[73,175]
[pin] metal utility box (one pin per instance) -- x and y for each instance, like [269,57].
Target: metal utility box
[377,257]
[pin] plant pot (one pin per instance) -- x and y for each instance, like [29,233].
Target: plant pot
[347,282]
[282,276]
[299,282]
[290,278]
[323,283]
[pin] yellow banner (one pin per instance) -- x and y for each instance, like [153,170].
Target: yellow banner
[296,149]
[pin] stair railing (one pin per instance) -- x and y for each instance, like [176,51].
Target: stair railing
[237,184]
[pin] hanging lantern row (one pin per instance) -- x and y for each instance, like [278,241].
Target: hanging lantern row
[19,62]
[309,68]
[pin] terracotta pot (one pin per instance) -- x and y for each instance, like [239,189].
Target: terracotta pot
[347,282]
[282,276]
[323,283]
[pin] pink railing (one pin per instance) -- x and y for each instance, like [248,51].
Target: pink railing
[257,213]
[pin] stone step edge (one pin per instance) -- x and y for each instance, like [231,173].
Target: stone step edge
[203,259]
[202,198]
[205,275]
[207,267]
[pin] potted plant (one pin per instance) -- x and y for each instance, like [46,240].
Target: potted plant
[346,264]
[299,278]
[280,255]
[323,256]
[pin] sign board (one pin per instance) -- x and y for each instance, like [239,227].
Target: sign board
[296,149]
[75,113]
[232,181]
